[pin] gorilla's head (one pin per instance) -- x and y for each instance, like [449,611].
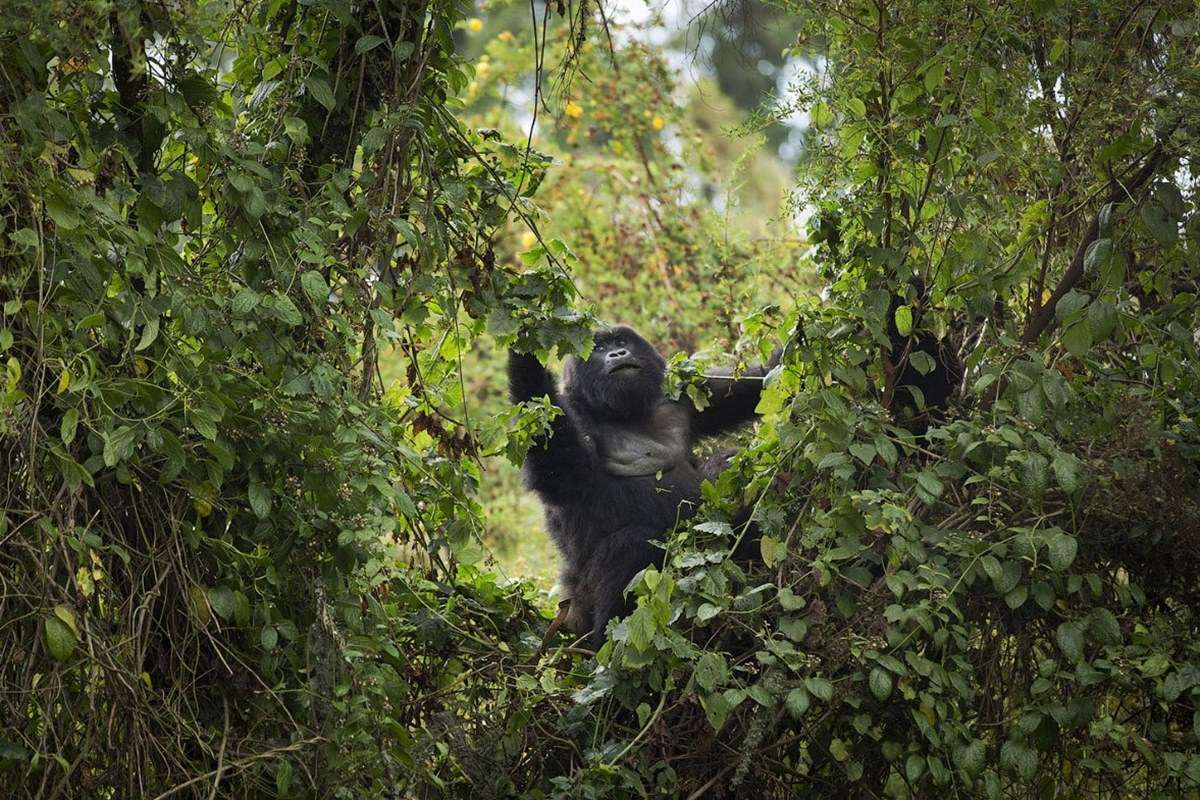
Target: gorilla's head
[622,379]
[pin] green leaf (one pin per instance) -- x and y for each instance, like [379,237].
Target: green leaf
[1161,224]
[1029,405]
[260,499]
[70,422]
[318,87]
[914,767]
[1056,388]
[197,91]
[935,75]
[62,211]
[60,639]
[95,320]
[204,425]
[991,566]
[641,629]
[797,702]
[68,618]
[1019,758]
[821,116]
[296,129]
[716,709]
[793,628]
[314,283]
[1017,597]
[1034,473]
[1071,303]
[819,688]
[921,361]
[241,608]
[403,50]
[149,334]
[1067,471]
[285,310]
[863,452]
[1010,576]
[198,605]
[283,778]
[1156,665]
[711,671]
[970,759]
[930,483]
[904,320]
[118,445]
[1062,547]
[245,301]
[221,599]
[268,637]
[1104,626]
[986,157]
[25,239]
[1101,319]
[772,550]
[856,107]
[1070,640]
[1097,255]
[887,451]
[790,601]
[367,43]
[880,682]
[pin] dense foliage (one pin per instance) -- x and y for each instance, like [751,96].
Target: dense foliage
[232,564]
[226,563]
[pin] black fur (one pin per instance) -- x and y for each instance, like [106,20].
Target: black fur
[939,385]
[617,469]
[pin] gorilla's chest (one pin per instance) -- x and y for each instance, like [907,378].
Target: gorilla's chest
[645,447]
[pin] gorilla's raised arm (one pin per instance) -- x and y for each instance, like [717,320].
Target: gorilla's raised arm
[732,400]
[556,463]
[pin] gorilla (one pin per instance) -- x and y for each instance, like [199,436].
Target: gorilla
[617,470]
[917,397]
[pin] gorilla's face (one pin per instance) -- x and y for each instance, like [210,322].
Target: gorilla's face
[623,377]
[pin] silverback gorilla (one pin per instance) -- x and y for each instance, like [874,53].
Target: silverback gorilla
[617,469]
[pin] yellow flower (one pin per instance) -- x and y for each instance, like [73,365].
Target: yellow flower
[505,36]
[574,110]
[528,240]
[657,123]
[483,69]
[474,24]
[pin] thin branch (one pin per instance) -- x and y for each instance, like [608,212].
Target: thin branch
[1041,321]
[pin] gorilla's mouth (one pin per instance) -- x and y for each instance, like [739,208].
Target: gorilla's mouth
[624,365]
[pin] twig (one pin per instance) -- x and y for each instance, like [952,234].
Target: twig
[1041,320]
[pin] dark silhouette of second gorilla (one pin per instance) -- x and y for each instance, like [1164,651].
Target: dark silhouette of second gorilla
[617,468]
[918,399]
